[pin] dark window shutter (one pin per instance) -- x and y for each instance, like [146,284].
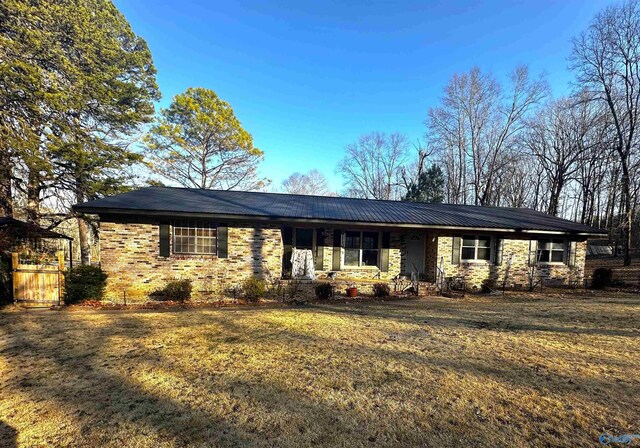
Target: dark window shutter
[337,251]
[223,241]
[287,242]
[165,245]
[572,254]
[384,253]
[499,248]
[533,252]
[455,252]
[319,249]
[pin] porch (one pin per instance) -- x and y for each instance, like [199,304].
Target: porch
[365,255]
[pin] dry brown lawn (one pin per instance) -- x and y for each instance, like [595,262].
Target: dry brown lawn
[522,370]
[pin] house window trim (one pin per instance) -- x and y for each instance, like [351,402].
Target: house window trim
[198,225]
[475,260]
[565,252]
[360,266]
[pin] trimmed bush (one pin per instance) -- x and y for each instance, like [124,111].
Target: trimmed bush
[177,290]
[324,291]
[84,283]
[381,290]
[253,289]
[601,278]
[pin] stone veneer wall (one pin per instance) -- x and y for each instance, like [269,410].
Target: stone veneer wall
[519,270]
[129,255]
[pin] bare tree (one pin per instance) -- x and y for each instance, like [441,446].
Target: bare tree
[311,183]
[371,166]
[606,58]
[475,129]
[515,185]
[411,172]
[558,137]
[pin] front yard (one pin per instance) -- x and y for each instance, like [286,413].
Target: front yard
[552,370]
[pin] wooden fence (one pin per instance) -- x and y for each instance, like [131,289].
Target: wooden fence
[37,285]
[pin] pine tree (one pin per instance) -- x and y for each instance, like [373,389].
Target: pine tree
[77,83]
[428,188]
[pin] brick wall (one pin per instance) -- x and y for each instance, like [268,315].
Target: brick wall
[517,270]
[129,254]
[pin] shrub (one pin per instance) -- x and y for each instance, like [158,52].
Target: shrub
[175,290]
[381,290]
[253,289]
[601,278]
[6,285]
[487,285]
[324,291]
[84,283]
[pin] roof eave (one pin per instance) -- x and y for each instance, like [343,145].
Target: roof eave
[231,217]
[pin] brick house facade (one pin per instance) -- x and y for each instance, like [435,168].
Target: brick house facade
[130,255]
[145,245]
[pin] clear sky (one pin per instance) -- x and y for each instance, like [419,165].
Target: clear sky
[308,78]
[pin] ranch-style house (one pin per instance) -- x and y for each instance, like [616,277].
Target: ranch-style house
[219,238]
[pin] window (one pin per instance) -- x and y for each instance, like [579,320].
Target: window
[361,248]
[352,248]
[551,251]
[303,239]
[370,248]
[194,237]
[475,248]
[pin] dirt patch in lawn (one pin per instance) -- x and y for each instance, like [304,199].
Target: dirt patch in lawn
[523,369]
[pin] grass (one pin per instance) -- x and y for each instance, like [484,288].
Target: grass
[552,370]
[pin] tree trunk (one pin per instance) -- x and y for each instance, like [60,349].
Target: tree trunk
[6,197]
[33,199]
[627,213]
[83,227]
[83,239]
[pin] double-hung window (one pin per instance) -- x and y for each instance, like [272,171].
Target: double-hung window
[475,248]
[194,237]
[361,248]
[551,250]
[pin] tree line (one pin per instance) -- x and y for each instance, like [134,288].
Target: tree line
[510,144]
[77,122]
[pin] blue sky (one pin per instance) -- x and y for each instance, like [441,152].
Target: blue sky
[307,78]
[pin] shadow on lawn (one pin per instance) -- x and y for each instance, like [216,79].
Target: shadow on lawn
[506,319]
[543,378]
[103,399]
[82,383]
[94,375]
[8,435]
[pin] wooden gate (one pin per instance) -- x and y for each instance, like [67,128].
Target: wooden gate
[37,285]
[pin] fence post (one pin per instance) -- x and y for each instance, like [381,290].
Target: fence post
[60,275]
[14,275]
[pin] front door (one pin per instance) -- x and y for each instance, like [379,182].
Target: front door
[415,253]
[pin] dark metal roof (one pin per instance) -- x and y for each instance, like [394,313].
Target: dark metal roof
[21,229]
[169,201]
